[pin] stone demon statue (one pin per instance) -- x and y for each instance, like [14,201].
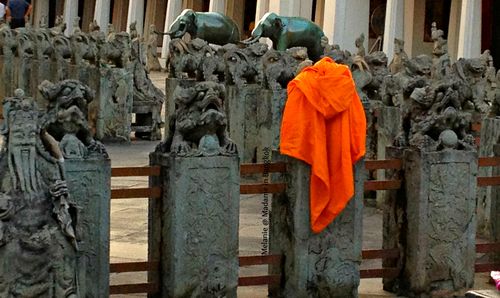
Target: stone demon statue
[38,245]
[199,125]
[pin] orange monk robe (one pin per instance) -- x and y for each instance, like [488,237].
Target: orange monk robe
[324,125]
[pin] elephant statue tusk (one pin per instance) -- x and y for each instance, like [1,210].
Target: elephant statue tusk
[250,40]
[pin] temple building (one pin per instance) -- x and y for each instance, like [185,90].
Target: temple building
[469,25]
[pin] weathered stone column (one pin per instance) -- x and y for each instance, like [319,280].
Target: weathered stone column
[101,13]
[200,216]
[88,182]
[490,134]
[136,14]
[438,220]
[495,206]
[315,265]
[394,24]
[388,123]
[174,8]
[114,105]
[469,37]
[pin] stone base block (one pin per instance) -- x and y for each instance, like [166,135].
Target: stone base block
[88,182]
[200,220]
[315,265]
[440,226]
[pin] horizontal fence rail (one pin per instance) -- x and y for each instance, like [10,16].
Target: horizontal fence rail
[262,168]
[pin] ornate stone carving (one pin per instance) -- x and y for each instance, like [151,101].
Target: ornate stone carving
[66,118]
[199,125]
[38,245]
[148,99]
[399,58]
[152,61]
[281,67]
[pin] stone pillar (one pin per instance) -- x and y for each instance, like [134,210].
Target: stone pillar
[315,265]
[114,105]
[102,13]
[174,8]
[254,120]
[388,123]
[70,13]
[217,6]
[200,220]
[40,10]
[490,135]
[136,14]
[88,183]
[495,205]
[341,17]
[438,220]
[469,40]
[394,24]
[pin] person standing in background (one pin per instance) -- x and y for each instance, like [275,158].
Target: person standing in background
[20,11]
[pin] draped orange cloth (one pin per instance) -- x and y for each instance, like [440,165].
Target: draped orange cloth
[324,125]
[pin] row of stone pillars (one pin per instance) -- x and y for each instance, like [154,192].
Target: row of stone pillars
[431,220]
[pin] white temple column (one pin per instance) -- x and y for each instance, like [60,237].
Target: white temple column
[394,25]
[70,13]
[174,8]
[102,13]
[300,8]
[218,6]
[344,16]
[454,28]
[261,9]
[40,10]
[136,14]
[469,37]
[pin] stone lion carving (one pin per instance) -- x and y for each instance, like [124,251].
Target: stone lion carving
[66,117]
[199,125]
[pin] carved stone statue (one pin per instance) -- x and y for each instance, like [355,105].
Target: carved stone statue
[148,99]
[152,61]
[66,118]
[399,57]
[441,60]
[37,217]
[360,45]
[199,125]
[495,105]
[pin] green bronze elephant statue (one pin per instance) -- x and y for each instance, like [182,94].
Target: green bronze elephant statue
[288,32]
[212,27]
